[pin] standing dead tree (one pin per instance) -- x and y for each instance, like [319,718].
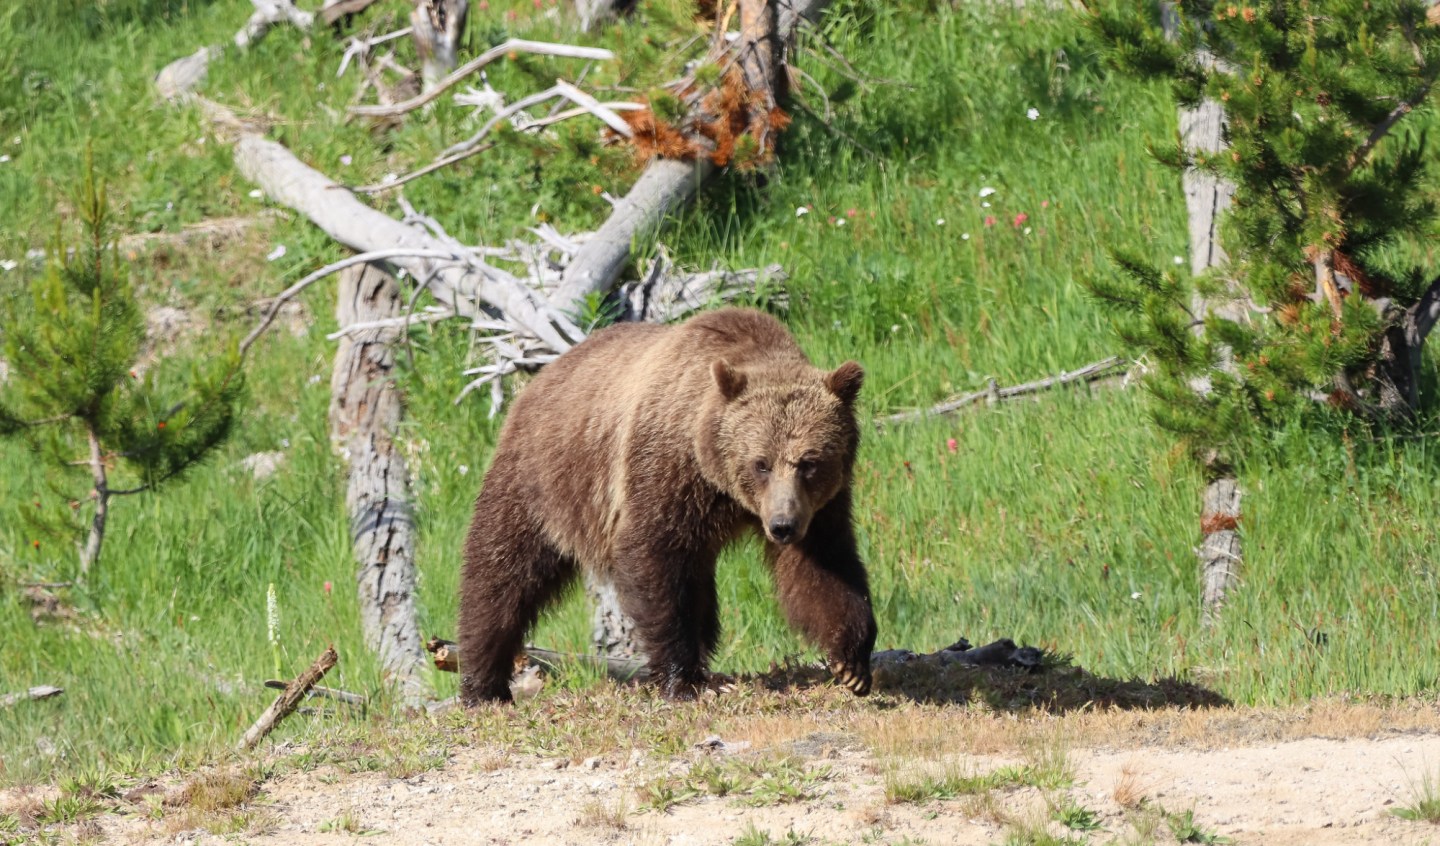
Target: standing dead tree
[365,409]
[1207,197]
[438,27]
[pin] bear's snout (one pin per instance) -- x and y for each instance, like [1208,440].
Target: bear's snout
[783,530]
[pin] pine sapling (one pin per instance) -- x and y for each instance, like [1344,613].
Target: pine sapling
[75,395]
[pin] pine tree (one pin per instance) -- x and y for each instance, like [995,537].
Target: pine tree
[1330,191]
[74,395]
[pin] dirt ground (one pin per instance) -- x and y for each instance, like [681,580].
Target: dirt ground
[1306,790]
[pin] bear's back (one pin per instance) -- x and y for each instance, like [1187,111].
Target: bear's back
[571,432]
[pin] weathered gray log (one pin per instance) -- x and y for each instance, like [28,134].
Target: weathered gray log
[438,26]
[334,10]
[290,182]
[181,76]
[365,409]
[288,700]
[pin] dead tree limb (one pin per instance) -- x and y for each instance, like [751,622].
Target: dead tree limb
[334,10]
[513,45]
[288,700]
[460,284]
[268,13]
[438,26]
[365,410]
[1102,369]
[43,691]
[318,692]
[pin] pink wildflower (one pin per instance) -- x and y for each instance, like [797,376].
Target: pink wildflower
[952,445]
[989,220]
[1044,204]
[327,588]
[1020,219]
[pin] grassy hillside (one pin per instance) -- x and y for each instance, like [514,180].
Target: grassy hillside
[1066,523]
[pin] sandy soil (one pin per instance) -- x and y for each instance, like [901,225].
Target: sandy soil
[1304,791]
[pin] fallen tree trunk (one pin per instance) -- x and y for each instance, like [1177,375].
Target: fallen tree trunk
[458,283]
[365,410]
[288,700]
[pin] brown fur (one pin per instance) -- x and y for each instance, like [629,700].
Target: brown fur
[638,455]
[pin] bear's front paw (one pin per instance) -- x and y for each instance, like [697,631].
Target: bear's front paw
[852,676]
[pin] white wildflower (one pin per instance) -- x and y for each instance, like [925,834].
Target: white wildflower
[256,194]
[277,253]
[802,211]
[939,221]
[986,191]
[1032,113]
[1178,260]
[272,615]
[964,236]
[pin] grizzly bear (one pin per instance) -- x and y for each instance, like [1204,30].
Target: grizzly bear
[638,455]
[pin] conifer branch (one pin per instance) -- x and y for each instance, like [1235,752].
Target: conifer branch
[1383,128]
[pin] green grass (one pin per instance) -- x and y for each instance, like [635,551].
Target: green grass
[1066,523]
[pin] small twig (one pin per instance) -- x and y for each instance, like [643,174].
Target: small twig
[595,107]
[289,700]
[501,115]
[323,693]
[359,47]
[993,393]
[432,314]
[514,45]
[362,258]
[33,694]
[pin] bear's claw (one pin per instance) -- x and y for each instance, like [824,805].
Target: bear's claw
[856,680]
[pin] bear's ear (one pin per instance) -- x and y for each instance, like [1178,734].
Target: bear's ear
[730,381]
[845,380]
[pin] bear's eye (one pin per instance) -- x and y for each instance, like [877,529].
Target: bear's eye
[762,467]
[805,467]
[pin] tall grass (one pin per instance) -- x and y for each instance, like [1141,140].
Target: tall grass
[1067,522]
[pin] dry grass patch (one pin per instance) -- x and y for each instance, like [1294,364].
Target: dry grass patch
[604,816]
[1130,790]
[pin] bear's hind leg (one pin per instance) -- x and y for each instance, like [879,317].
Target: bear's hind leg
[671,596]
[511,573]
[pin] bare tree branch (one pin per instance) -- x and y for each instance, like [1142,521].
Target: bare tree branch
[514,45]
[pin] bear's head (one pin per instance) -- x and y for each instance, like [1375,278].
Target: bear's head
[781,442]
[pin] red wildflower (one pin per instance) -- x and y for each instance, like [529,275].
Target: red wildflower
[952,445]
[1020,219]
[989,220]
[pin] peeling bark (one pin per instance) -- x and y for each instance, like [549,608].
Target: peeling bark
[365,409]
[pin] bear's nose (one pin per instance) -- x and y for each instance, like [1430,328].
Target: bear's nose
[782,529]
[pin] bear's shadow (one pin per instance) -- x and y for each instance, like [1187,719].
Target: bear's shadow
[1054,685]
